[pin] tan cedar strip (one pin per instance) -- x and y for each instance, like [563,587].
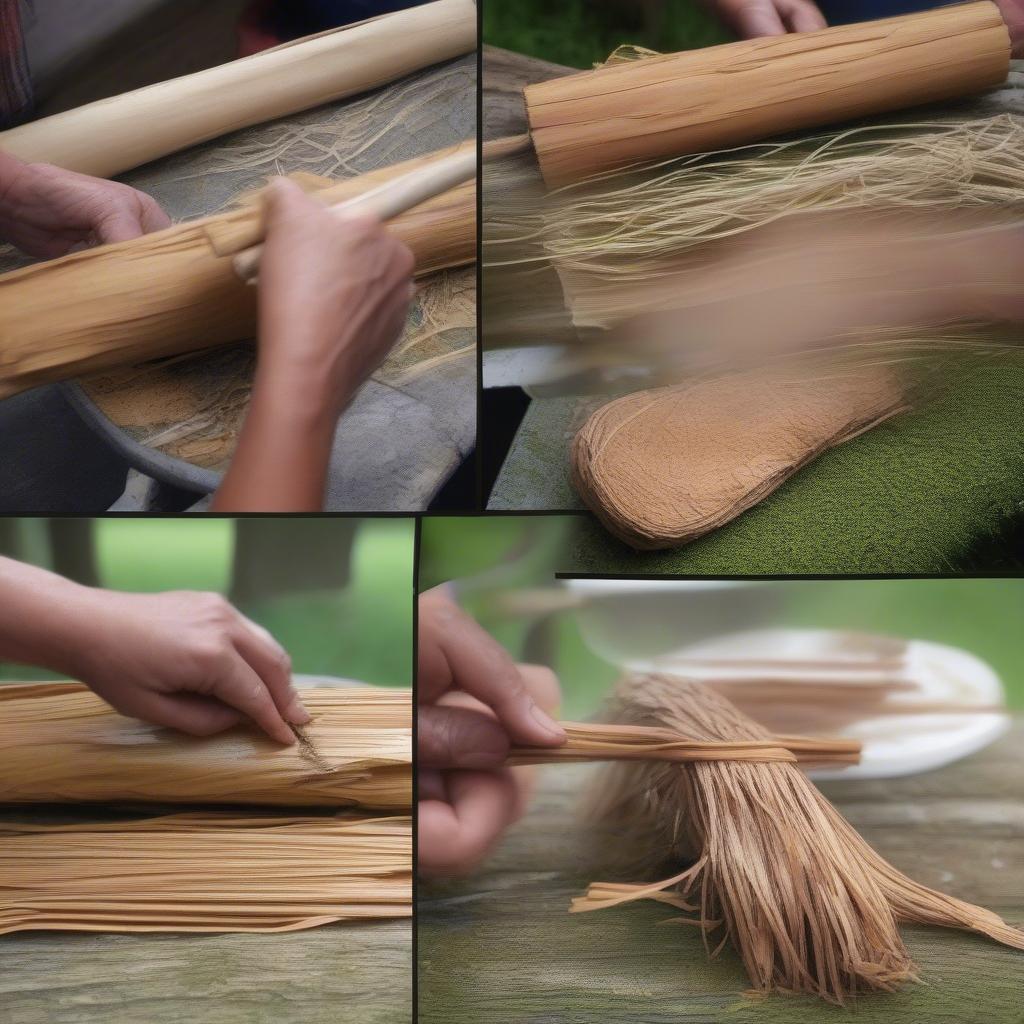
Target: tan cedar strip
[600,742]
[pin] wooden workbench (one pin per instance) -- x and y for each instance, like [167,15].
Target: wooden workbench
[502,948]
[353,972]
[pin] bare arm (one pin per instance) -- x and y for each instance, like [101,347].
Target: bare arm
[334,295]
[185,660]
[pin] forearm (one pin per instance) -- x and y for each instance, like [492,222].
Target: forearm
[44,618]
[11,171]
[283,453]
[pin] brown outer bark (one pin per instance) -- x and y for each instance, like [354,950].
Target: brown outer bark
[738,93]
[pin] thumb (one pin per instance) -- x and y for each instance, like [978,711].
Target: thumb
[449,737]
[118,224]
[285,200]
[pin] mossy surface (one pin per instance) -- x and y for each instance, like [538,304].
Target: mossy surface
[936,490]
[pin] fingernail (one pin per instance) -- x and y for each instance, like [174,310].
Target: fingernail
[297,713]
[547,723]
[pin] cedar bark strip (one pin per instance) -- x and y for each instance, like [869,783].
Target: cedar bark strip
[176,291]
[601,742]
[205,873]
[114,135]
[723,96]
[807,904]
[61,743]
[661,468]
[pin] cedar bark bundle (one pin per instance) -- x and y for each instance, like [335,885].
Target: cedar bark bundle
[661,468]
[114,135]
[723,96]
[176,291]
[807,904]
[62,743]
[205,873]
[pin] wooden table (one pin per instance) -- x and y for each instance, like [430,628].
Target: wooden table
[501,947]
[354,972]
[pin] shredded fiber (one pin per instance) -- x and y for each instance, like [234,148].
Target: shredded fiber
[773,867]
[205,873]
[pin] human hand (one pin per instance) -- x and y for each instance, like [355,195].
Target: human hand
[1013,14]
[473,703]
[753,18]
[185,660]
[46,211]
[334,297]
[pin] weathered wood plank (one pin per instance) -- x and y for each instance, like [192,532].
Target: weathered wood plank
[501,946]
[295,978]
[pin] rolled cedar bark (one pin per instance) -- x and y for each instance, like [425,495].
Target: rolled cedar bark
[723,96]
[176,291]
[113,135]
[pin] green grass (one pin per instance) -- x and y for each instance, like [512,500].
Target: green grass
[579,33]
[362,632]
[149,555]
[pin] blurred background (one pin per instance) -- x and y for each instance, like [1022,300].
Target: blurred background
[336,593]
[502,567]
[579,33]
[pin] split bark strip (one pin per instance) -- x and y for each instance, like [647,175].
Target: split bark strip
[807,904]
[723,96]
[63,744]
[114,135]
[597,742]
[205,873]
[176,291]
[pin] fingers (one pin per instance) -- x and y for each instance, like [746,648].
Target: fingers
[152,215]
[188,713]
[801,15]
[455,835]
[238,686]
[543,686]
[456,653]
[754,18]
[284,200]
[269,660]
[118,223]
[449,737]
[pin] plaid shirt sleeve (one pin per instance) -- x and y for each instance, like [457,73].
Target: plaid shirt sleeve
[15,81]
